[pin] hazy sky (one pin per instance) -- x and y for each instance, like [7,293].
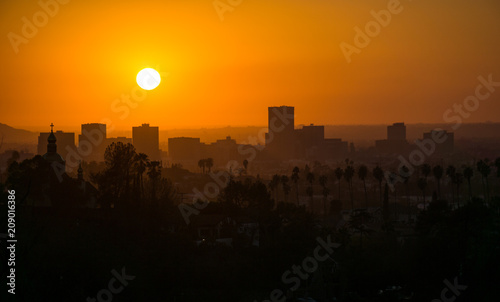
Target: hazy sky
[79,65]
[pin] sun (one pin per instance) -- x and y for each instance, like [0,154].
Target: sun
[148,79]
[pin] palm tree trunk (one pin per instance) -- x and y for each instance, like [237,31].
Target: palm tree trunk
[366,194]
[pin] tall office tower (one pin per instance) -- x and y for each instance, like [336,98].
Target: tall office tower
[92,142]
[396,132]
[146,140]
[280,138]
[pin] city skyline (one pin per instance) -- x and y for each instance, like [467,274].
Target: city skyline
[409,69]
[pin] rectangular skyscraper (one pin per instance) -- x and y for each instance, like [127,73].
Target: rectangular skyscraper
[92,142]
[146,140]
[281,135]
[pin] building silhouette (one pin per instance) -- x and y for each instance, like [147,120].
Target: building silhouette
[444,141]
[65,141]
[51,156]
[146,140]
[284,142]
[92,141]
[396,140]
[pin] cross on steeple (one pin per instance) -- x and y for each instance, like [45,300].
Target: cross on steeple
[51,127]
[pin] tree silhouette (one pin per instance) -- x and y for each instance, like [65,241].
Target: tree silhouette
[295,179]
[339,173]
[451,172]
[348,175]
[273,186]
[458,179]
[422,184]
[323,182]
[405,173]
[141,162]
[497,165]
[468,173]
[437,171]
[245,165]
[201,164]
[484,169]
[209,162]
[378,173]
[362,173]
[286,186]
[310,178]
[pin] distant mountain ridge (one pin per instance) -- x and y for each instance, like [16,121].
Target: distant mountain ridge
[17,136]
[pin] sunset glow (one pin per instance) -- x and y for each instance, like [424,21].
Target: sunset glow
[262,54]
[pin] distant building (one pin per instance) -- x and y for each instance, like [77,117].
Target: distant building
[280,140]
[396,132]
[146,140]
[120,139]
[92,142]
[284,142]
[396,140]
[444,140]
[223,151]
[185,149]
[65,141]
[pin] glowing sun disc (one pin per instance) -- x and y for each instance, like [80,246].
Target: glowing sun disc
[148,79]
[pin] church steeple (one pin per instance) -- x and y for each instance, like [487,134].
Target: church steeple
[52,155]
[52,146]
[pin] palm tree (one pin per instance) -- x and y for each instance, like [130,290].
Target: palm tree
[310,179]
[468,173]
[286,186]
[437,171]
[201,164]
[484,169]
[497,165]
[426,170]
[141,163]
[154,174]
[339,173]
[348,175]
[209,162]
[378,173]
[273,185]
[422,184]
[458,182]
[362,173]
[450,172]
[245,165]
[405,173]
[322,181]
[295,179]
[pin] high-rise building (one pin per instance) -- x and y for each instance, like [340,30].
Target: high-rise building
[280,140]
[185,148]
[396,140]
[92,142]
[146,140]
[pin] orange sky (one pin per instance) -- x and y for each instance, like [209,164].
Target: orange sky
[264,53]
